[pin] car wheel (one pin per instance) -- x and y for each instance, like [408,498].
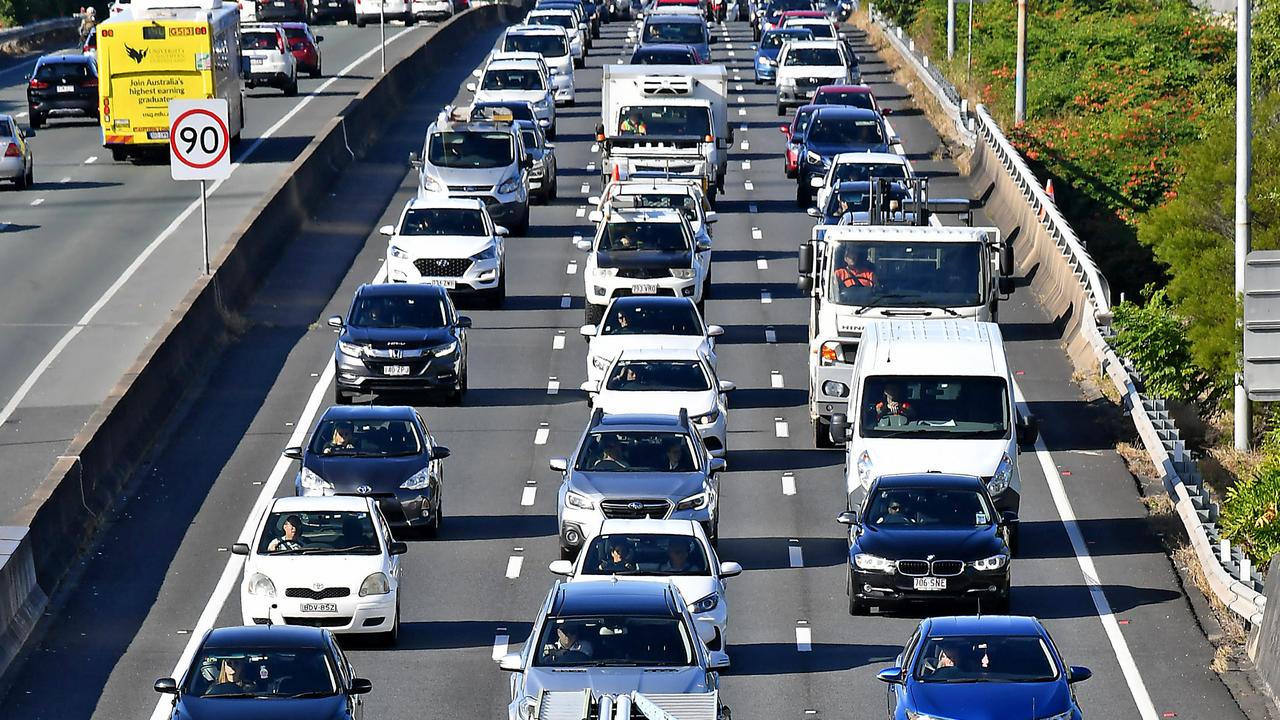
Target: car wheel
[822,435]
[390,637]
[553,192]
[551,132]
[316,73]
[291,89]
[857,606]
[803,194]
[759,81]
[24,182]
[498,295]
[714,539]
[782,110]
[360,21]
[593,313]
[706,285]
[409,20]
[37,121]
[119,155]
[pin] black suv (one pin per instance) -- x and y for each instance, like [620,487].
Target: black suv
[400,337]
[62,84]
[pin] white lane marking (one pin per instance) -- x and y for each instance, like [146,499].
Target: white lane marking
[591,167]
[780,428]
[770,336]
[21,114]
[795,555]
[752,208]
[65,180]
[91,160]
[804,639]
[788,484]
[749,186]
[553,387]
[577,238]
[745,145]
[571,268]
[765,297]
[585,188]
[37,201]
[540,437]
[566,300]
[43,366]
[743,127]
[737,88]
[500,645]
[1132,676]
[557,343]
[595,147]
[529,495]
[741,100]
[746,165]
[730,53]
[743,111]
[762,264]
[581,212]
[756,234]
[514,563]
[775,379]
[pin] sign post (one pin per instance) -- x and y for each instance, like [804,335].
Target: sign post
[199,149]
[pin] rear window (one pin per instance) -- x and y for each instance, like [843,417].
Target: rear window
[846,131]
[63,71]
[6,129]
[852,99]
[675,32]
[258,41]
[662,57]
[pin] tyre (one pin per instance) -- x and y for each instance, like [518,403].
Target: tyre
[390,637]
[759,81]
[804,193]
[37,121]
[822,435]
[26,181]
[522,227]
[437,518]
[119,154]
[592,314]
[782,110]
[409,20]
[340,396]
[579,62]
[553,191]
[291,90]
[498,295]
[316,73]
[857,606]
[360,21]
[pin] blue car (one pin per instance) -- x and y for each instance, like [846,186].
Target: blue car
[985,667]
[766,60]
[835,129]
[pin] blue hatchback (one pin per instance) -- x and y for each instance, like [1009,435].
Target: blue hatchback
[836,129]
[766,60]
[982,668]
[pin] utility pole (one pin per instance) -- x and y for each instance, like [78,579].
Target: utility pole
[1020,81]
[951,29]
[968,63]
[1244,167]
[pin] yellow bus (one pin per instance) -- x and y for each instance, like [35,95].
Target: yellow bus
[160,50]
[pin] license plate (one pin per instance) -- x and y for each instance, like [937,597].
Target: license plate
[66,88]
[157,134]
[320,607]
[256,60]
[930,583]
[645,288]
[448,284]
[395,370]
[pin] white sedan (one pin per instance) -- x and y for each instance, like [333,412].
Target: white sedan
[324,562]
[662,380]
[674,551]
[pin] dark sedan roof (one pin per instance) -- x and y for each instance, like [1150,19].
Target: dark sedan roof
[402,290]
[265,636]
[933,480]
[863,89]
[614,597]
[983,625]
[369,412]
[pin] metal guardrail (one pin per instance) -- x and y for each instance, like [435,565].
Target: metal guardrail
[1226,570]
[44,27]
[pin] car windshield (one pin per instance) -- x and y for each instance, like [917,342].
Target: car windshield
[645,555]
[228,673]
[646,56]
[512,80]
[928,507]
[962,407]
[443,221]
[820,30]
[680,120]
[365,438]
[662,31]
[845,132]
[519,110]
[544,45]
[668,319]
[863,172]
[258,40]
[777,7]
[663,237]
[564,21]
[813,56]
[857,199]
[63,71]
[773,40]
[636,451]
[471,149]
[398,311]
[295,33]
[985,658]
[319,533]
[902,274]
[604,641]
[684,202]
[844,97]
[658,376]
[800,125]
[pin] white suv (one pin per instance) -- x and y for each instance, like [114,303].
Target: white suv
[270,62]
[806,65]
[518,80]
[450,242]
[567,20]
[642,252]
[552,43]
[369,11]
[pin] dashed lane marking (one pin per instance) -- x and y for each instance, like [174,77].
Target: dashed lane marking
[585,188]
[500,642]
[581,212]
[752,208]
[571,268]
[780,428]
[804,638]
[514,563]
[565,300]
[37,201]
[788,484]
[528,495]
[553,386]
[746,165]
[775,379]
[765,297]
[743,111]
[557,343]
[795,555]
[65,180]
[749,186]
[745,145]
[91,160]
[756,234]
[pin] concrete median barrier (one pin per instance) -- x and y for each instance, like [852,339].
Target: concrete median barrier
[65,511]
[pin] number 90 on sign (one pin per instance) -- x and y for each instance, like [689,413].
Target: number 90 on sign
[199,140]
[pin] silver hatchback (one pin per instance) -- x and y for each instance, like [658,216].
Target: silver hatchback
[17,163]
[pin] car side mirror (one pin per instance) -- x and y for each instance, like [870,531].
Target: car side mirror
[717,465]
[848,517]
[501,230]
[718,660]
[561,567]
[727,387]
[596,216]
[336,322]
[813,212]
[415,161]
[712,217]
[240,549]
[892,675]
[785,130]
[840,427]
[704,245]
[886,111]
[589,387]
[714,331]
[558,464]
[584,245]
[511,662]
[1004,285]
[1008,517]
[168,686]
[587,331]
[319,39]
[387,230]
[462,322]
[817,182]
[440,452]
[1078,673]
[477,72]
[293,453]
[730,569]
[361,686]
[1028,430]
[805,284]
[396,547]
[550,146]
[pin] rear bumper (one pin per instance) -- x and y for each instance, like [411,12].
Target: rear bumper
[268,78]
[52,104]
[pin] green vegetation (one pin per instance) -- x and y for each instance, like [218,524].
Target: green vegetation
[20,12]
[1154,338]
[1251,512]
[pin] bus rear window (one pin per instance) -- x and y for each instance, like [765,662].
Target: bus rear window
[152,32]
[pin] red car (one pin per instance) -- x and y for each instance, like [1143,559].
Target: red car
[304,46]
[859,96]
[795,137]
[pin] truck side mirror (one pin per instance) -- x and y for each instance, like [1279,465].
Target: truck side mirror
[1004,285]
[1006,259]
[805,284]
[804,257]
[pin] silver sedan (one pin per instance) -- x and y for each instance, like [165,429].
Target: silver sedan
[17,163]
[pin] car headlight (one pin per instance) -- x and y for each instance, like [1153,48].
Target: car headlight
[873,563]
[913,715]
[768,62]
[351,349]
[604,272]
[431,184]
[577,500]
[417,481]
[509,185]
[313,484]
[706,604]
[683,273]
[866,468]
[600,362]
[812,157]
[708,418]
[396,252]
[489,253]
[449,349]
[695,502]
[375,584]
[995,562]
[999,482]
[261,585]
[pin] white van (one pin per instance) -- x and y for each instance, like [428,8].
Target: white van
[933,396]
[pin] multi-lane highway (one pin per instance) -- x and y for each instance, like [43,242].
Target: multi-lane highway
[1089,565]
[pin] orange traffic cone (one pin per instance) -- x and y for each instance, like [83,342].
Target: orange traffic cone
[1048,190]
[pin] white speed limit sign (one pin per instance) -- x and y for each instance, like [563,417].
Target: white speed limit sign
[199,142]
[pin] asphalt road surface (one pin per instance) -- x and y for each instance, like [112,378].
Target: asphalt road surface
[162,571]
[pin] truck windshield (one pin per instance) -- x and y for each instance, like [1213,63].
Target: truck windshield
[663,237]
[959,407]
[685,33]
[665,120]
[470,150]
[512,80]
[889,274]
[545,45]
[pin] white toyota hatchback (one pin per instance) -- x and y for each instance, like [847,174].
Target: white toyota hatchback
[325,562]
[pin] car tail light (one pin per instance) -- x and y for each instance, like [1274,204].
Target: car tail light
[279,42]
[89,82]
[38,84]
[12,150]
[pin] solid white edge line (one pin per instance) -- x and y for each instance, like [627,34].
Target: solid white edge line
[1132,676]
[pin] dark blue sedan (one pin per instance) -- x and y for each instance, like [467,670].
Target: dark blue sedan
[989,667]
[835,129]
[279,672]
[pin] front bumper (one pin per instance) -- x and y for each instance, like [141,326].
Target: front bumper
[896,587]
[332,9]
[354,614]
[715,434]
[371,374]
[601,290]
[479,275]
[432,8]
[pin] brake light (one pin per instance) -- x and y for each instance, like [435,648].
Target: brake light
[279,43]
[38,84]
[90,82]
[12,150]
